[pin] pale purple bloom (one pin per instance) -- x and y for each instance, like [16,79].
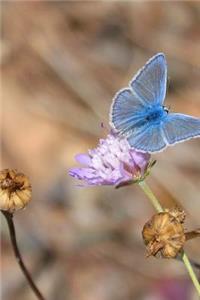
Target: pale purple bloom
[111,163]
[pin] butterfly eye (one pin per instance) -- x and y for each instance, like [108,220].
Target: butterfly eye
[166,109]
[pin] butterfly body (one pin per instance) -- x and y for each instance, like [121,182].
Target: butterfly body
[152,116]
[155,115]
[138,113]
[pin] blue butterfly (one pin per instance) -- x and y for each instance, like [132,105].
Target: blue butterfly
[138,113]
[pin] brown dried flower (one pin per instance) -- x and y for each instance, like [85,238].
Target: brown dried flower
[15,190]
[164,233]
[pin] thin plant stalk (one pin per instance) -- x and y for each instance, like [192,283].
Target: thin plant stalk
[191,272]
[155,202]
[11,226]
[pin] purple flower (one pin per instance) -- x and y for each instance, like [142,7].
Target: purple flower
[111,163]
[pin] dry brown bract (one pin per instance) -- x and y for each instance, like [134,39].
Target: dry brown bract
[15,190]
[164,233]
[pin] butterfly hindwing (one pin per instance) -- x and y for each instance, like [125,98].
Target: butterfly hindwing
[174,128]
[150,139]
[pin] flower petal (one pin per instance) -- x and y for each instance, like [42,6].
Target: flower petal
[140,158]
[83,158]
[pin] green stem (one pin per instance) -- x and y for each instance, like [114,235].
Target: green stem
[159,208]
[191,272]
[151,196]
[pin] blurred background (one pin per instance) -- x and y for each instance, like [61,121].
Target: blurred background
[61,63]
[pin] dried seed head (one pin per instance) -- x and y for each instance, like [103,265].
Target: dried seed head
[15,190]
[177,213]
[164,233]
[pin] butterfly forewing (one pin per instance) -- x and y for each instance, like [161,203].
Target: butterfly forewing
[180,127]
[151,81]
[126,110]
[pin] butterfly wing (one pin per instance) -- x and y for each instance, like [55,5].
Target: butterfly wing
[130,107]
[179,127]
[147,88]
[151,81]
[125,110]
[172,129]
[148,139]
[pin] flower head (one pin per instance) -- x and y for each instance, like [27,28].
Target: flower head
[15,190]
[111,163]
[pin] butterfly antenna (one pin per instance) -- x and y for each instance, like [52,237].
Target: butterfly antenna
[168,84]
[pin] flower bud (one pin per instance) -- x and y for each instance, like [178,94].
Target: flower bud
[15,190]
[164,233]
